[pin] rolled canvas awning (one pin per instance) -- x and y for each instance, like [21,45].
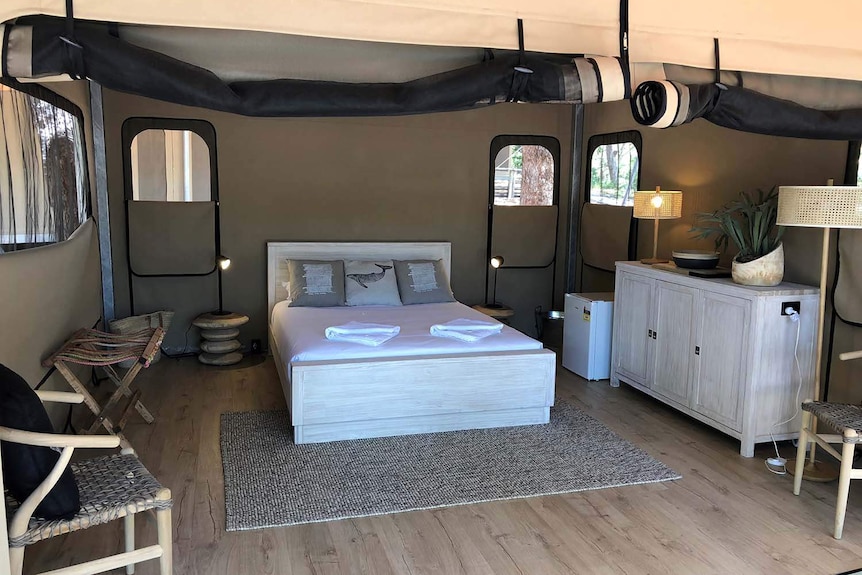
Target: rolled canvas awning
[40,47]
[788,37]
[663,104]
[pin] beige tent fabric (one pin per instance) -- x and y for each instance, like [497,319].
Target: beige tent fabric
[604,235]
[768,36]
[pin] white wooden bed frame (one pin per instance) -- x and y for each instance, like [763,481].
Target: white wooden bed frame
[358,398]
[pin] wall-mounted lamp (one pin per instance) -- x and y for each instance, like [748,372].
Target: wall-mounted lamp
[657,205]
[496,263]
[223,263]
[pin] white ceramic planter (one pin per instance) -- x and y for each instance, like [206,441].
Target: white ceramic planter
[765,271]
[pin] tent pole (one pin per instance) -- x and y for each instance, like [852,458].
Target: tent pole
[103,218]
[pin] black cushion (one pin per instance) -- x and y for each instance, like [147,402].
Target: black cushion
[26,466]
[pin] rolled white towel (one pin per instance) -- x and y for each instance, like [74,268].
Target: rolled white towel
[365,333]
[468,330]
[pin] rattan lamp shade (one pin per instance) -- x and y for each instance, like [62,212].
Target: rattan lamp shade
[670,205]
[819,206]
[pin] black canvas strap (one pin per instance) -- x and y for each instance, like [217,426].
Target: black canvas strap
[74,51]
[521,75]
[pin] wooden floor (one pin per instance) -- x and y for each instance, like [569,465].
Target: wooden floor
[726,515]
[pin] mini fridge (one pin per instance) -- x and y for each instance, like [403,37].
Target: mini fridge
[587,332]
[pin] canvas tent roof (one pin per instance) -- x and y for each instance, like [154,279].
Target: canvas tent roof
[767,36]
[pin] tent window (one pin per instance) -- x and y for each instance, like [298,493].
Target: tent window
[44,187]
[170,166]
[524,176]
[614,168]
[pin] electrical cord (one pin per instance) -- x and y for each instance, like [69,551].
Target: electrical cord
[777,466]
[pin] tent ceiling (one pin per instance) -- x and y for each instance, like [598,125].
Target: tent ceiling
[768,36]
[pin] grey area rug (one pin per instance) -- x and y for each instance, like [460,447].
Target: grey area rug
[270,481]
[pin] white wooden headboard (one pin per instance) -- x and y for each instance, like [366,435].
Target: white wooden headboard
[277,254]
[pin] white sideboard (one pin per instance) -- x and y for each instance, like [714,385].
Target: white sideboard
[719,352]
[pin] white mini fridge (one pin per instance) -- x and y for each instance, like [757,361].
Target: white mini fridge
[587,331]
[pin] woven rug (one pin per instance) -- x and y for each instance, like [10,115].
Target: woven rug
[270,481]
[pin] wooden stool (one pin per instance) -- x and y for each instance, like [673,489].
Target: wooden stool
[848,420]
[99,349]
[219,345]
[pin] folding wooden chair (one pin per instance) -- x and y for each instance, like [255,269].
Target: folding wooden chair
[107,350]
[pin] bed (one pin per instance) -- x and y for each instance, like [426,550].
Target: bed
[414,383]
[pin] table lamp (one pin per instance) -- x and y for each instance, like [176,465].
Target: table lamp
[222,264]
[824,207]
[657,205]
[496,263]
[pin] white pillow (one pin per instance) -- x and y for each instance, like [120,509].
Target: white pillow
[370,283]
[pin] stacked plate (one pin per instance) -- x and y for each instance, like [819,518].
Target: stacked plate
[696,259]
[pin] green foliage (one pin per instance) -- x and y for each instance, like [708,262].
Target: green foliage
[748,222]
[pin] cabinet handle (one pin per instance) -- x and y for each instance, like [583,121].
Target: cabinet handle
[655,335]
[649,334]
[697,350]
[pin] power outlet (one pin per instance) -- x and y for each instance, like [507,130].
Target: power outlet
[792,304]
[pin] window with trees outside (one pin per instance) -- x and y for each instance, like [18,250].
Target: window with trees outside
[44,187]
[614,168]
[524,176]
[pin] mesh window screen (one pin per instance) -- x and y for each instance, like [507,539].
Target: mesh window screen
[43,172]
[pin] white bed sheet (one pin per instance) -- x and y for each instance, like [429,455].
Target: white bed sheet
[298,332]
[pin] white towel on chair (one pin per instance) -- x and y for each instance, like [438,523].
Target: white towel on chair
[468,330]
[364,333]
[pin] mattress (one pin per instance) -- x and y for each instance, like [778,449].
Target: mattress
[298,332]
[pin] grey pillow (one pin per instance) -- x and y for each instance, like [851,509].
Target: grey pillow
[315,283]
[370,283]
[422,281]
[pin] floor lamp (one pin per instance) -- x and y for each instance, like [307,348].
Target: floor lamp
[657,205]
[824,207]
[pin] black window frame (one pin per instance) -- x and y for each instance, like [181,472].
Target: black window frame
[42,93]
[598,140]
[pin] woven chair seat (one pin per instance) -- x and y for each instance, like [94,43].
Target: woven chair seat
[111,487]
[839,416]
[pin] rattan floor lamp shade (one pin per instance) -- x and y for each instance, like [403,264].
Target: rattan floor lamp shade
[657,205]
[824,207]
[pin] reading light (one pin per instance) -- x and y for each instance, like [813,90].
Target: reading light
[223,262]
[496,262]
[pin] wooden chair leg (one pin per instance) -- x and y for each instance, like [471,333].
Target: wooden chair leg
[16,560]
[165,532]
[129,532]
[847,452]
[800,452]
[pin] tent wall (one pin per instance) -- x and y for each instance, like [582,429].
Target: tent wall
[769,36]
[391,179]
[711,165]
[50,292]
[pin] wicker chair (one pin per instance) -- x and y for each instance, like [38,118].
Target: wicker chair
[111,487]
[845,418]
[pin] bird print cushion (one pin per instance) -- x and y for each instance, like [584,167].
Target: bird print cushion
[315,283]
[370,283]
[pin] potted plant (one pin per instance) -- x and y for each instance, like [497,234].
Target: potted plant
[750,224]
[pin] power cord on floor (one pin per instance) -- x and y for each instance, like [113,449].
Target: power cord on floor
[778,464]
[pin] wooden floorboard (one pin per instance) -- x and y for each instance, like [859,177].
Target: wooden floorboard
[726,515]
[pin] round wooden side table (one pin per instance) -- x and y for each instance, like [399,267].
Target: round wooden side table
[501,313]
[219,345]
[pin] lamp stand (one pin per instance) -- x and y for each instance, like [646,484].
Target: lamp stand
[221,310]
[494,304]
[818,470]
[654,259]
